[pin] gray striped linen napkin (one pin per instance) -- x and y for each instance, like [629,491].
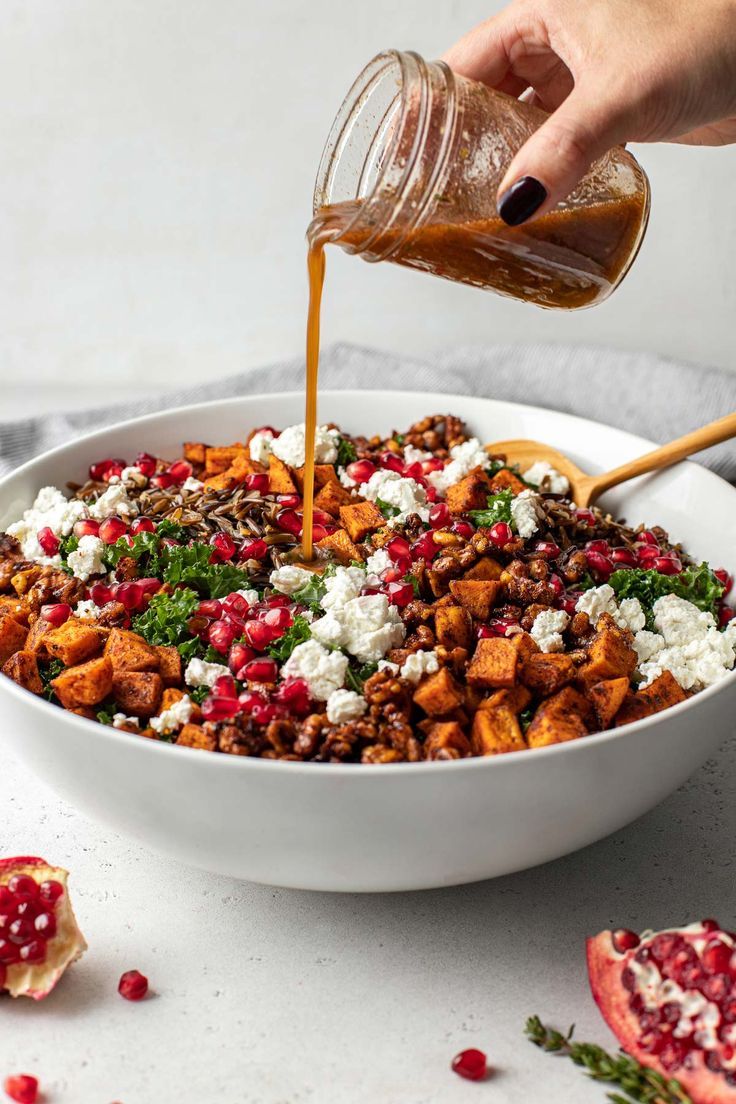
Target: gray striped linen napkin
[652,396]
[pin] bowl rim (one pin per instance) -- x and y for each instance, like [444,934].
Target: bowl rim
[237,762]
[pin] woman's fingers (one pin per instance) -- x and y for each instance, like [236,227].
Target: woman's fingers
[483,53]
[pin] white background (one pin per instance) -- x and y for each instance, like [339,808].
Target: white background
[156,167]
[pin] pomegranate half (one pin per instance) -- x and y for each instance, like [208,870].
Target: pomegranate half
[670,999]
[39,935]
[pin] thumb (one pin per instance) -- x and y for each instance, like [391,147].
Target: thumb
[550,164]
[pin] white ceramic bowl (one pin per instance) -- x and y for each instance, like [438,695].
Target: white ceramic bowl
[367,828]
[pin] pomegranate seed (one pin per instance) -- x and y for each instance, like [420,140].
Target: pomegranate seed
[100,594]
[294,693]
[50,891]
[224,548]
[258,482]
[23,885]
[240,655]
[180,471]
[599,564]
[48,540]
[254,550]
[717,987]
[250,699]
[142,525]
[289,501]
[470,1064]
[651,1042]
[440,516]
[210,608]
[624,940]
[665,945]
[103,469]
[413,471]
[162,480]
[45,925]
[716,957]
[264,714]
[221,635]
[145,463]
[623,556]
[725,614]
[150,585]
[431,491]
[601,546]
[224,687]
[131,595]
[361,470]
[220,709]
[57,613]
[391,461]
[133,985]
[668,565]
[400,594]
[3,977]
[557,586]
[20,931]
[267,429]
[33,952]
[463,529]
[112,529]
[726,579]
[9,953]
[647,537]
[434,464]
[500,534]
[398,548]
[235,605]
[709,924]
[277,617]
[261,670]
[548,549]
[672,1055]
[260,635]
[87,527]
[290,521]
[424,548]
[394,574]
[22,1088]
[585,517]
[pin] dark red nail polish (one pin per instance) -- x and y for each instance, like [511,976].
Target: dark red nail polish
[521,200]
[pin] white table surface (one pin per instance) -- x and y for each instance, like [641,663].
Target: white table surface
[269,996]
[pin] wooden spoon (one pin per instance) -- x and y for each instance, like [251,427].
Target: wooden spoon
[585,489]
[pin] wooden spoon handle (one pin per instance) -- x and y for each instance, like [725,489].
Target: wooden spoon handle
[711,434]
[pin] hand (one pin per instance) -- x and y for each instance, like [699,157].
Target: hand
[609,71]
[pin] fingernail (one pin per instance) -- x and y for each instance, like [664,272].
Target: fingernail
[521,200]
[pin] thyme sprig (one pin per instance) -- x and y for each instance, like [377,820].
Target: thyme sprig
[642,1084]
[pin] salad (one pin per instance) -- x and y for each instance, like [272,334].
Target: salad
[456,606]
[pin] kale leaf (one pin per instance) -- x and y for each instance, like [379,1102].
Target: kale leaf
[298,633]
[48,672]
[190,564]
[499,509]
[356,676]
[172,529]
[165,620]
[345,452]
[696,583]
[387,509]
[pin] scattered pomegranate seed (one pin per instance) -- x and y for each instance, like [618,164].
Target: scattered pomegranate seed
[290,501]
[142,525]
[87,527]
[647,537]
[278,600]
[557,585]
[57,613]
[261,670]
[250,700]
[220,709]
[224,687]
[223,548]
[257,482]
[725,614]
[100,594]
[724,577]
[361,470]
[391,461]
[278,617]
[400,594]
[103,469]
[264,714]
[145,463]
[624,940]
[601,546]
[210,608]
[548,549]
[500,534]
[424,548]
[48,540]
[180,471]
[440,516]
[22,1088]
[623,556]
[50,891]
[413,471]
[254,550]
[290,521]
[599,563]
[133,985]
[585,517]
[397,573]
[294,693]
[471,1064]
[668,565]
[112,529]
[150,585]
[240,655]
[221,635]
[260,635]
[646,554]
[398,548]
[130,594]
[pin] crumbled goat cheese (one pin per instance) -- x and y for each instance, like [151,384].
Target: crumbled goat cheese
[406,495]
[524,514]
[547,478]
[630,615]
[387,665]
[119,720]
[378,562]
[201,673]
[252,597]
[693,650]
[87,559]
[174,717]
[463,458]
[290,445]
[647,644]
[340,588]
[602,599]
[322,670]
[366,626]
[130,477]
[87,608]
[260,446]
[192,484]
[415,456]
[548,628]
[290,578]
[345,705]
[419,664]
[50,510]
[346,480]
[113,502]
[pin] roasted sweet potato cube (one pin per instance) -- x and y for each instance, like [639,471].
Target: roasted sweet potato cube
[279,477]
[85,685]
[609,654]
[478,596]
[607,698]
[194,736]
[446,740]
[516,699]
[127,651]
[360,519]
[471,493]
[525,645]
[545,674]
[485,568]
[439,694]
[22,667]
[16,608]
[496,731]
[73,642]
[558,719]
[138,692]
[341,547]
[505,480]
[219,459]
[323,474]
[195,452]
[12,636]
[169,665]
[243,466]
[24,579]
[494,663]
[453,627]
[660,694]
[37,635]
[221,482]
[331,497]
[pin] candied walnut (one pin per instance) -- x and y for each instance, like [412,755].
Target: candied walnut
[309,735]
[417,612]
[384,689]
[539,569]
[112,614]
[280,735]
[400,737]
[379,753]
[126,569]
[575,568]
[235,740]
[580,625]
[454,658]
[526,591]
[9,547]
[56,586]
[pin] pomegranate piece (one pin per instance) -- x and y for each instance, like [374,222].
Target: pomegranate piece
[103,469]
[39,936]
[261,670]
[470,1064]
[223,548]
[133,985]
[500,534]
[258,482]
[145,463]
[254,550]
[86,527]
[57,613]
[142,525]
[180,471]
[361,470]
[670,999]
[112,529]
[220,709]
[22,1088]
[440,516]
[726,579]
[48,540]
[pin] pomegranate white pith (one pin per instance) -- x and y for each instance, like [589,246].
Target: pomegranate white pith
[39,934]
[670,999]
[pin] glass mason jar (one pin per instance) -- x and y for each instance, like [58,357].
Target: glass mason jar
[410,171]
